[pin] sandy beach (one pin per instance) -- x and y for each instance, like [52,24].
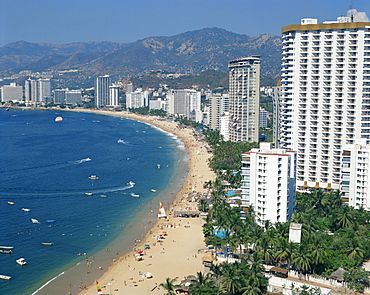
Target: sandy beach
[174,243]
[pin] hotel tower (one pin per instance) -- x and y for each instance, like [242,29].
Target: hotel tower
[244,99]
[325,99]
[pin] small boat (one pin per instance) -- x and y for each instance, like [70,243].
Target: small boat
[153,190]
[103,196]
[34,220]
[121,141]
[6,251]
[161,212]
[4,277]
[11,203]
[131,183]
[93,177]
[6,247]
[21,261]
[88,194]
[50,220]
[158,166]
[135,195]
[26,209]
[58,119]
[47,244]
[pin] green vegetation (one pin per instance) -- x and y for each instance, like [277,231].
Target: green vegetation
[147,111]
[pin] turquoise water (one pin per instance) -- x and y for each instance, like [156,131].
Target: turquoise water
[45,165]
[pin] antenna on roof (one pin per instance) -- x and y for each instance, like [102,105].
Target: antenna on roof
[351,11]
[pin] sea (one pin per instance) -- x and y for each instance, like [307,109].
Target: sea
[45,167]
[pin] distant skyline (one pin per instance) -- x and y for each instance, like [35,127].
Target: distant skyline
[125,21]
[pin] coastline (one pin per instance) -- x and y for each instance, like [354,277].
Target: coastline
[183,238]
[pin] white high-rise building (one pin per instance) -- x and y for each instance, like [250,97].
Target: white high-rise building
[102,84]
[114,95]
[224,126]
[325,100]
[263,118]
[137,99]
[218,105]
[269,183]
[276,97]
[44,87]
[185,102]
[11,92]
[355,186]
[244,87]
[38,90]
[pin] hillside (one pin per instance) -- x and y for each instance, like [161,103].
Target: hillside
[187,53]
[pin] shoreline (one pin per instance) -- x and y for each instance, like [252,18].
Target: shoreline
[184,236]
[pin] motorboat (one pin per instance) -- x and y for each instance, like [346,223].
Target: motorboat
[103,196]
[58,119]
[6,247]
[34,220]
[6,251]
[47,244]
[50,220]
[93,177]
[88,194]
[11,203]
[21,261]
[135,195]
[26,209]
[153,190]
[4,277]
[131,183]
[158,166]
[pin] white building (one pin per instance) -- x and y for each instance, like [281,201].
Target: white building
[218,105]
[244,86]
[158,103]
[224,126]
[269,183]
[102,84]
[185,102]
[325,100]
[355,185]
[11,92]
[137,99]
[38,90]
[114,95]
[276,97]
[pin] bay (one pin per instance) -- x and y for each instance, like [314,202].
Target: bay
[45,167]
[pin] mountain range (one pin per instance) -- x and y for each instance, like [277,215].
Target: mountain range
[187,53]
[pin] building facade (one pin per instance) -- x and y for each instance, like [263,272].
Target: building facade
[102,84]
[244,98]
[355,186]
[269,183]
[11,92]
[325,99]
[185,102]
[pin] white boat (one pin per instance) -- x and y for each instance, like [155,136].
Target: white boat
[58,119]
[11,203]
[93,177]
[135,195]
[6,247]
[153,190]
[88,194]
[21,261]
[158,166]
[26,209]
[161,212]
[131,183]
[4,277]
[34,220]
[47,244]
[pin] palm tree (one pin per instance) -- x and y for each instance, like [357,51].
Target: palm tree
[231,279]
[302,260]
[170,286]
[251,290]
[202,284]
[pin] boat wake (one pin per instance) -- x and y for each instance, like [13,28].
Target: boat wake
[81,161]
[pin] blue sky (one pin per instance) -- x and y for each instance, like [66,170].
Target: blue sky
[66,21]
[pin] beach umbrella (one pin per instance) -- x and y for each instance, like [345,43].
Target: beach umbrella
[98,288]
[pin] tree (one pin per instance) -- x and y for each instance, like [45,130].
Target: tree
[358,279]
[203,285]
[170,286]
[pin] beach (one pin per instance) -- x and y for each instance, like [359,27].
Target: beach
[171,247]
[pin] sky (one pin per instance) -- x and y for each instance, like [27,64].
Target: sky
[125,21]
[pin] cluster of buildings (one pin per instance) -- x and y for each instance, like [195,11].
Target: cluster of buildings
[321,115]
[321,120]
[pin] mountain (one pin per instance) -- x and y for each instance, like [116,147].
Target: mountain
[188,53]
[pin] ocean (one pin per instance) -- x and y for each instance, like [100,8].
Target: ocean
[45,167]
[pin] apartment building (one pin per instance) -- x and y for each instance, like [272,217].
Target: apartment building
[325,97]
[244,86]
